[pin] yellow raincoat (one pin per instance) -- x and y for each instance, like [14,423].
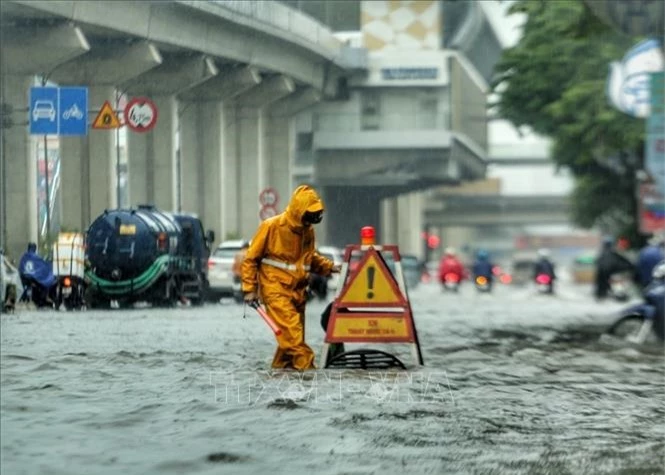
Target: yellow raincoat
[277,266]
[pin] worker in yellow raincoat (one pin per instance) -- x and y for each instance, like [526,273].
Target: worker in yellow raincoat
[276,270]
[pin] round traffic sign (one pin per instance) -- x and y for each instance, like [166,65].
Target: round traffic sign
[140,114]
[268,211]
[268,197]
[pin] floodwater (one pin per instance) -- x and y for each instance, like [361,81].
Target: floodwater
[513,383]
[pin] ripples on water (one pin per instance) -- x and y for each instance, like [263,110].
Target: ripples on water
[509,387]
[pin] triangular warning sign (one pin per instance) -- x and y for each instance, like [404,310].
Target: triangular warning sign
[372,284]
[107,118]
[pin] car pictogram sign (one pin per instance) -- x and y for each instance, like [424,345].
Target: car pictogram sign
[107,118]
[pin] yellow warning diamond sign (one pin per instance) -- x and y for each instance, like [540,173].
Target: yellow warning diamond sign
[107,118]
[372,284]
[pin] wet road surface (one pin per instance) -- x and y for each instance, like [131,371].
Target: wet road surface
[513,383]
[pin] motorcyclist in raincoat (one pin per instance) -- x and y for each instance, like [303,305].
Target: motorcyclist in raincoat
[37,275]
[450,264]
[276,270]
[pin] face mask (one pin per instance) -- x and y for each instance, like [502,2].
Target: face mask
[310,218]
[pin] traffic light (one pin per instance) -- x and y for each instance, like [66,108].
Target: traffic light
[6,111]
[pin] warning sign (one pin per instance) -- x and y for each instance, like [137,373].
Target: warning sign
[372,284]
[107,118]
[372,306]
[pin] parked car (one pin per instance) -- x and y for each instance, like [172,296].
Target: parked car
[220,275]
[337,256]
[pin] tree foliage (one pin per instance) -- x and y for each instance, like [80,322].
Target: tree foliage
[554,81]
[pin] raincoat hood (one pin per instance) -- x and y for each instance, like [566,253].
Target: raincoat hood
[303,199]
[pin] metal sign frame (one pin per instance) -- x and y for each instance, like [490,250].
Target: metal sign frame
[365,310]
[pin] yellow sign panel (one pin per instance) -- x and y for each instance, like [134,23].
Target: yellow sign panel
[368,327]
[107,118]
[127,229]
[372,284]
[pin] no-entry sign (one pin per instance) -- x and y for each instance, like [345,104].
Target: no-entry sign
[268,197]
[140,114]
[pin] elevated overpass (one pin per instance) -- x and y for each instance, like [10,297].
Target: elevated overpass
[227,78]
[493,210]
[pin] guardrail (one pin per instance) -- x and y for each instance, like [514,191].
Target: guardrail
[274,15]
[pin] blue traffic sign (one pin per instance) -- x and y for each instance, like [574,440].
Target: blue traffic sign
[58,111]
[43,110]
[73,110]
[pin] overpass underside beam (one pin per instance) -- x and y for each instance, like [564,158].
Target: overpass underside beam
[39,50]
[109,65]
[471,218]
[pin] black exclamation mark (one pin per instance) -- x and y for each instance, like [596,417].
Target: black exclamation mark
[370,282]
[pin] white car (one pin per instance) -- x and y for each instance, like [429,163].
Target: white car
[220,275]
[337,256]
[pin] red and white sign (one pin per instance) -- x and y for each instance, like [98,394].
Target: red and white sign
[140,114]
[267,211]
[268,197]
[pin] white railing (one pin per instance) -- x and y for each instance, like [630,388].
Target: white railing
[281,17]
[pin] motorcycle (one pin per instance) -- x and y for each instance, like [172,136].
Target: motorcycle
[33,291]
[483,284]
[544,284]
[70,292]
[638,322]
[451,282]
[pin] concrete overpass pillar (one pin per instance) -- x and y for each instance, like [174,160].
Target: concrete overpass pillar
[152,162]
[255,145]
[252,167]
[88,174]
[19,173]
[278,150]
[389,221]
[201,146]
[410,224]
[232,178]
[280,141]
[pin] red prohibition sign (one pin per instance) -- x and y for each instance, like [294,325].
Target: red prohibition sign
[140,114]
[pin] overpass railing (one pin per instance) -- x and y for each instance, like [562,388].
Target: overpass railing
[274,15]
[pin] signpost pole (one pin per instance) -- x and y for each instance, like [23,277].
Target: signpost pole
[118,96]
[48,198]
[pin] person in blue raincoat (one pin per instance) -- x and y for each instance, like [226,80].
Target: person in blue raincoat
[648,259]
[37,275]
[483,266]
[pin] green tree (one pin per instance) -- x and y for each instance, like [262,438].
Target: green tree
[554,81]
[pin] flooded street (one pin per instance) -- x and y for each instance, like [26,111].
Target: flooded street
[513,383]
